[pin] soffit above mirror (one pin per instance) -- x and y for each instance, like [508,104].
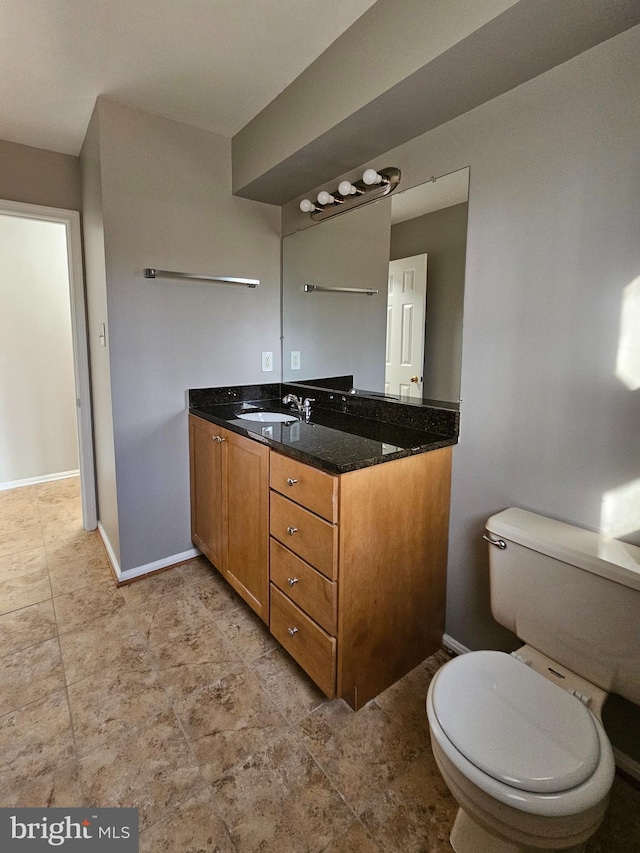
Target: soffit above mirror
[423,70]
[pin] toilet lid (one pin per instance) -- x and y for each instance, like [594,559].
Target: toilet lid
[513,724]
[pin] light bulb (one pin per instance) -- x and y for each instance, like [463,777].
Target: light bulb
[325,198]
[307,206]
[346,188]
[370,177]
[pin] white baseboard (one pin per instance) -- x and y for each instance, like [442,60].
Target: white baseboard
[34,481]
[138,571]
[115,565]
[449,643]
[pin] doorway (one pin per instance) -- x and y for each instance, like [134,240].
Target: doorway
[36,352]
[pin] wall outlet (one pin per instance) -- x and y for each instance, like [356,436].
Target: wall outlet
[267,362]
[295,360]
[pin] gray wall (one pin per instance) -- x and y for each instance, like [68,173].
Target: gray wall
[97,314]
[167,203]
[443,236]
[36,176]
[338,333]
[554,206]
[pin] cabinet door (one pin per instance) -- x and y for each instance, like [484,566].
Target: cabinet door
[247,492]
[207,453]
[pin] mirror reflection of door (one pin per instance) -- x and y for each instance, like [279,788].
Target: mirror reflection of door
[406,309]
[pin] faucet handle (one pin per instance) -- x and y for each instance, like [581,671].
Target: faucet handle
[306,407]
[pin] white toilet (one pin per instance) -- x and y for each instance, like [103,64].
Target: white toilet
[518,738]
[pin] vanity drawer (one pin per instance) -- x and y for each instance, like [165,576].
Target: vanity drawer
[310,590]
[308,486]
[305,641]
[312,538]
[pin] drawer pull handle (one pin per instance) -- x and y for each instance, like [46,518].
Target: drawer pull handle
[292,581]
[218,438]
[291,481]
[292,530]
[292,631]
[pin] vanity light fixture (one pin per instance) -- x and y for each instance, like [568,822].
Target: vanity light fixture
[374,185]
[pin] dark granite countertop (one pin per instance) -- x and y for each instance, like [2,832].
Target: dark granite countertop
[333,441]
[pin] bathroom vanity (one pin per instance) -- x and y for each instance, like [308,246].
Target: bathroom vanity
[334,531]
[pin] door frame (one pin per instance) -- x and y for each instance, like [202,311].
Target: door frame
[71,220]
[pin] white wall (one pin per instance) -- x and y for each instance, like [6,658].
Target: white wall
[38,433]
[167,203]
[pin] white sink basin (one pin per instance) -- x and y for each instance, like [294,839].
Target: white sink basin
[267,417]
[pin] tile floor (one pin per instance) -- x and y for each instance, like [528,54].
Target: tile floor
[170,695]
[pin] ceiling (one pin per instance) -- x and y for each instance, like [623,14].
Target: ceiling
[210,63]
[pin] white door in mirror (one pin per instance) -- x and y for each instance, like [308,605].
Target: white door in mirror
[406,305]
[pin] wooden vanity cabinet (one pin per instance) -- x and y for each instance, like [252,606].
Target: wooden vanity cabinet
[394,527]
[230,508]
[358,569]
[349,570]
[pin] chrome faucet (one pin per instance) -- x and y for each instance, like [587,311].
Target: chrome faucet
[303,406]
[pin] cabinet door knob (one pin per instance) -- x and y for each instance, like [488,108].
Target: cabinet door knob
[218,438]
[292,631]
[292,530]
[292,581]
[291,481]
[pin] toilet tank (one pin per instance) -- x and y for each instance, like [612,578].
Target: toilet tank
[571,594]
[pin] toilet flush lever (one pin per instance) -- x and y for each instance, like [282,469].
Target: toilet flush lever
[499,543]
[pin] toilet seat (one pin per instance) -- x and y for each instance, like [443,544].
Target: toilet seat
[518,737]
[515,725]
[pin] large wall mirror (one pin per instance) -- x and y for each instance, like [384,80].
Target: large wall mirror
[405,340]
